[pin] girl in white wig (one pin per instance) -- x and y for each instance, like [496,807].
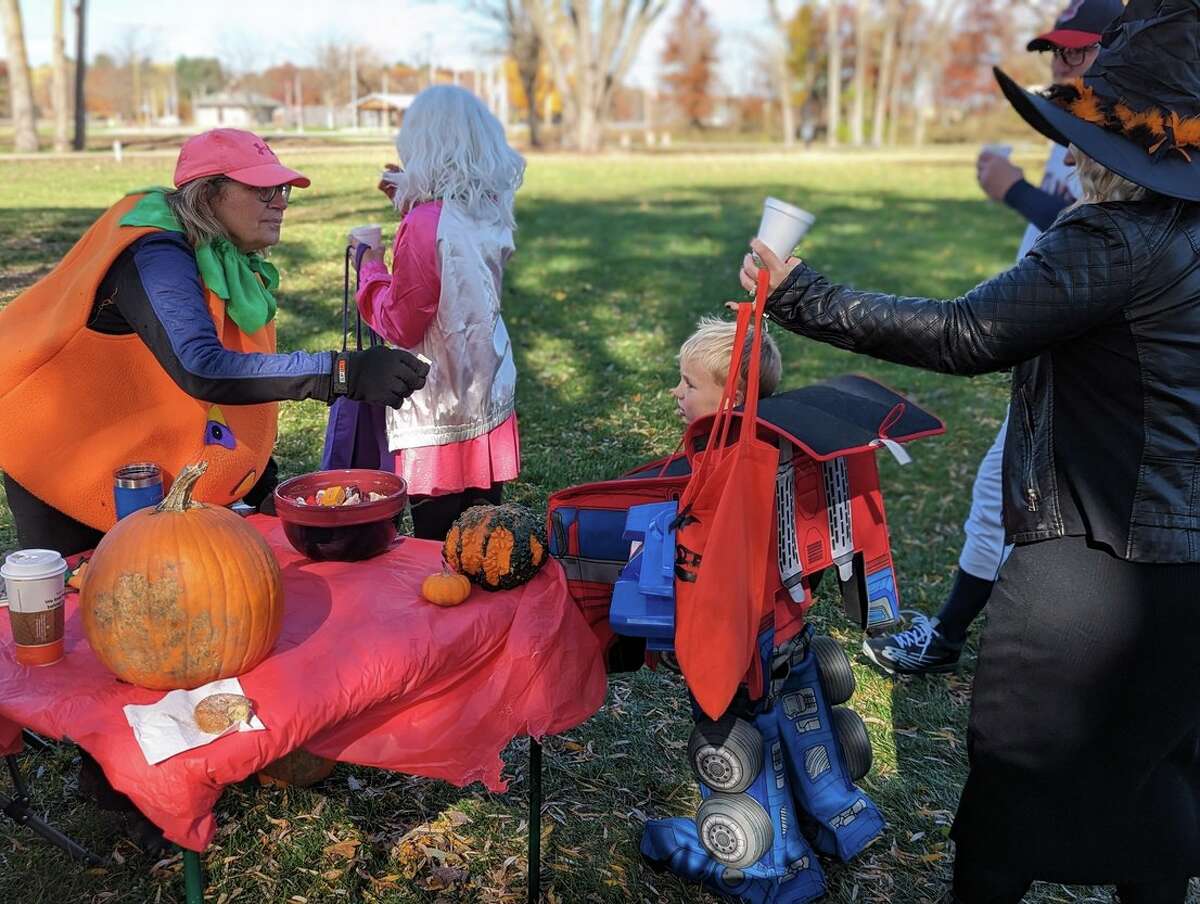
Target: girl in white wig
[456,439]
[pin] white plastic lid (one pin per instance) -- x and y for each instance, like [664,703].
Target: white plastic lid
[30,564]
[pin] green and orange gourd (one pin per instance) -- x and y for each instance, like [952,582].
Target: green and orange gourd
[497,547]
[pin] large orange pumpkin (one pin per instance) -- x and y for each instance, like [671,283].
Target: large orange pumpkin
[182,594]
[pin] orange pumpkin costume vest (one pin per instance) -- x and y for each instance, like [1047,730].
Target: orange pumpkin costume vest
[75,405]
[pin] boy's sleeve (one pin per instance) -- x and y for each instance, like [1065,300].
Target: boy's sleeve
[400,306]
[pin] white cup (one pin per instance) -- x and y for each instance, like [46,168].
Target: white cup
[370,235]
[783,226]
[1000,150]
[34,581]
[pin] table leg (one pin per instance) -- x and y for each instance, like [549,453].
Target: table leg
[193,877]
[17,809]
[535,821]
[35,741]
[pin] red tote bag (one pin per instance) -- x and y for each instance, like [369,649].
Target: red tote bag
[723,538]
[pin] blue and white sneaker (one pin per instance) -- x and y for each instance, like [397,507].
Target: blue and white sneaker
[919,650]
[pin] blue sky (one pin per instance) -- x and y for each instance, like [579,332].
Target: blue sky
[262,32]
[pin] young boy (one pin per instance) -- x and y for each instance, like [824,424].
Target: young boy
[704,366]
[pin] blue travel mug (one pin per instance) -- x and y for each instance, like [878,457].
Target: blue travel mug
[137,486]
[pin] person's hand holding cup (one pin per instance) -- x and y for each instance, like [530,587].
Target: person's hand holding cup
[996,174]
[777,269]
[369,237]
[779,232]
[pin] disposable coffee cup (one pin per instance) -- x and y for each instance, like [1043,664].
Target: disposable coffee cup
[783,226]
[1000,150]
[370,235]
[34,581]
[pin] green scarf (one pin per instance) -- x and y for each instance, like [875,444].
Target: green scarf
[232,275]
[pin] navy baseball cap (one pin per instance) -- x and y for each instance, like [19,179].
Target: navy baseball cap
[1080,25]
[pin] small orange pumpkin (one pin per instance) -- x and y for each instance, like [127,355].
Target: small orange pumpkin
[182,594]
[445,588]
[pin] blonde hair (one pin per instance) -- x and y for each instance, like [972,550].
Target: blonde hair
[711,346]
[454,149]
[1099,183]
[192,205]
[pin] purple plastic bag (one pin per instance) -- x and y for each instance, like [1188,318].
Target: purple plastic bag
[356,435]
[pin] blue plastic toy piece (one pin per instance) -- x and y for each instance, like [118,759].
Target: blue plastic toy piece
[674,844]
[883,606]
[844,819]
[643,602]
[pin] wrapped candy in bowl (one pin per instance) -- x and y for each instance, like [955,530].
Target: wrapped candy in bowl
[342,515]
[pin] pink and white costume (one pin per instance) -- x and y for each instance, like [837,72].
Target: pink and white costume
[442,299]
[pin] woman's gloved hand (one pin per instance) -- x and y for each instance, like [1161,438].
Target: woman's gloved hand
[379,375]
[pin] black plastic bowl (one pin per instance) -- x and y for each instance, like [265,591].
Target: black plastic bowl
[341,533]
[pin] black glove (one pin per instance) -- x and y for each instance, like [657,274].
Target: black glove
[379,375]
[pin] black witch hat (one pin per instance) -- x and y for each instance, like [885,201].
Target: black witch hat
[1137,109]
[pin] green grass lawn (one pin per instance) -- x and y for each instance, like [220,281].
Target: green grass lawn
[617,257]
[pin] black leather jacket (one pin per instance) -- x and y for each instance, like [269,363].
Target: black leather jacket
[1101,325]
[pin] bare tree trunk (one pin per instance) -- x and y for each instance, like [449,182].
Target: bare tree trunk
[603,50]
[783,77]
[929,62]
[921,120]
[59,86]
[834,76]
[529,84]
[525,44]
[883,85]
[899,68]
[20,86]
[80,140]
[861,53]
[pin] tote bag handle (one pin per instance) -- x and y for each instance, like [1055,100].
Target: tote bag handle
[724,416]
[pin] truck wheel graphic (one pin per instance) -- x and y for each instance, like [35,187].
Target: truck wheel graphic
[726,755]
[834,668]
[852,738]
[734,829]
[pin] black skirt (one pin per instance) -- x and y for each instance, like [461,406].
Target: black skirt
[1084,740]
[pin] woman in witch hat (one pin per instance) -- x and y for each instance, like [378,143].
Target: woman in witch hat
[1085,725]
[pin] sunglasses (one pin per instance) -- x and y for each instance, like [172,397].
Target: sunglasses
[1073,56]
[267,195]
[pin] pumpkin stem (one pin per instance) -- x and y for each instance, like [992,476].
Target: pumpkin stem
[180,497]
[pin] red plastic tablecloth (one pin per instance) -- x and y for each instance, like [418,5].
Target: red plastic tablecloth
[365,671]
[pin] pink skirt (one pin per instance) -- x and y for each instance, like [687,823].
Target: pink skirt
[481,462]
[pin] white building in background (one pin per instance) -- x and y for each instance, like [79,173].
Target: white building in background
[383,111]
[237,109]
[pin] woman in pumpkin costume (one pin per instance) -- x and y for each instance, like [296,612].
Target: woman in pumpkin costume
[1084,742]
[154,340]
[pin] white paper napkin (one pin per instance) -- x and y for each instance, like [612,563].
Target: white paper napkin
[168,727]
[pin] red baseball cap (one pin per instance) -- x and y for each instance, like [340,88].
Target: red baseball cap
[240,155]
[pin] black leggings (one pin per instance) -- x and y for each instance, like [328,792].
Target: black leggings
[40,526]
[977,886]
[433,515]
